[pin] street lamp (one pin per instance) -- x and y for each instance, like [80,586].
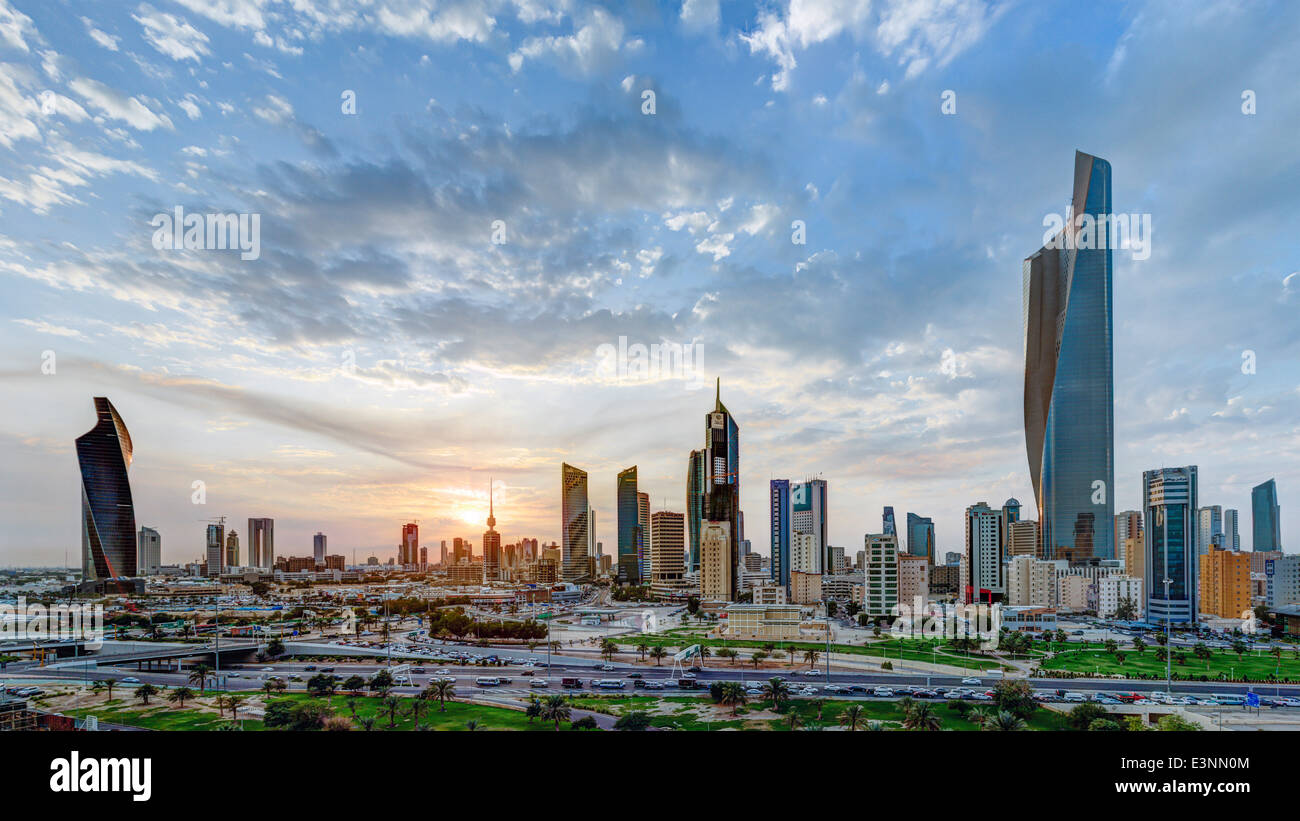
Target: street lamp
[1169,656]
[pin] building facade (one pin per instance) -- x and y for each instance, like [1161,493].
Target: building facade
[573,523]
[1169,512]
[108,534]
[1266,517]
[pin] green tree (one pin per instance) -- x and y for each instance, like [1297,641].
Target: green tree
[556,709]
[1176,723]
[658,653]
[1082,716]
[777,692]
[852,716]
[144,691]
[733,695]
[179,696]
[921,716]
[1005,721]
[634,721]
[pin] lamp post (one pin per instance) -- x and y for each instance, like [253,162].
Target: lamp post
[1169,653]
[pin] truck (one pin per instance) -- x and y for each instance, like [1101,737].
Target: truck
[571,683]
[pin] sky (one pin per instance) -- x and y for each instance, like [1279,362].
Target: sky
[462,206]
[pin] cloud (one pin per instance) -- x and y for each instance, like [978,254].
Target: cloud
[170,35]
[15,27]
[104,39]
[592,46]
[118,106]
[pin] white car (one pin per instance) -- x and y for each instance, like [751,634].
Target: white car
[540,682]
[971,680]
[688,676]
[608,668]
[884,692]
[812,672]
[130,680]
[268,669]
[754,691]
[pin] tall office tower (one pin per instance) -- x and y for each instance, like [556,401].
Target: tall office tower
[1128,525]
[694,508]
[1209,529]
[261,542]
[629,527]
[887,519]
[491,543]
[410,551]
[668,551]
[148,555]
[722,488]
[108,537]
[1169,512]
[424,558]
[459,551]
[779,494]
[573,522]
[232,549]
[805,554]
[591,532]
[442,555]
[1265,515]
[216,545]
[318,549]
[1069,378]
[1022,540]
[808,515]
[717,571]
[985,574]
[1010,515]
[837,560]
[920,536]
[1231,536]
[880,583]
[644,556]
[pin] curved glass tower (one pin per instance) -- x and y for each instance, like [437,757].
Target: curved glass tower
[573,522]
[108,538]
[1069,381]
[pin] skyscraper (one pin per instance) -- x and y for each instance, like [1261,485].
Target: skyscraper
[1209,529]
[629,527]
[1169,512]
[920,536]
[1231,535]
[809,515]
[215,549]
[1069,380]
[722,494]
[781,529]
[148,551]
[644,557]
[1128,525]
[318,549]
[573,523]
[108,536]
[694,508]
[491,543]
[1266,517]
[983,563]
[668,546]
[261,542]
[410,550]
[887,519]
[232,549]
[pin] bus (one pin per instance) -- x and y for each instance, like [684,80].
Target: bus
[487,681]
[1229,699]
[608,683]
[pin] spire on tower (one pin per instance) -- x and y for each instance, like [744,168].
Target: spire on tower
[492,519]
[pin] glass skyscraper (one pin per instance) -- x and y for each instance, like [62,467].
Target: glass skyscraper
[779,493]
[573,523]
[1266,517]
[108,535]
[629,528]
[1169,511]
[920,536]
[694,508]
[722,482]
[1069,382]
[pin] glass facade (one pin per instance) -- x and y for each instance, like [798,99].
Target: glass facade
[722,482]
[1169,510]
[1069,384]
[629,528]
[694,508]
[573,522]
[920,536]
[108,534]
[779,495]
[1266,516]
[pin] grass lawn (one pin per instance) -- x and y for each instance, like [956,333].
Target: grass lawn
[683,712]
[164,716]
[887,649]
[1252,666]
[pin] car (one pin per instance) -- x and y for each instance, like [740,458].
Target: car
[1076,698]
[295,677]
[971,680]
[607,668]
[539,682]
[634,675]
[694,668]
[130,680]
[813,673]
[654,685]
[417,670]
[528,673]
[310,667]
[688,676]
[327,669]
[836,688]
[268,669]
[859,688]
[884,692]
[981,696]
[754,691]
[232,674]
[1288,702]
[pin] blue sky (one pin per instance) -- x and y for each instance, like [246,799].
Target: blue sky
[884,354]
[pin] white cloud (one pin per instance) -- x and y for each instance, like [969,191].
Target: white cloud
[15,27]
[699,15]
[170,35]
[118,106]
[592,45]
[104,39]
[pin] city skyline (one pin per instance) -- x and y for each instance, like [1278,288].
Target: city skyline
[383,357]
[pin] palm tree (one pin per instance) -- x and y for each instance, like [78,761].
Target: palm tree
[144,691]
[979,716]
[198,675]
[534,709]
[441,690]
[471,725]
[642,648]
[556,709]
[391,705]
[777,692]
[418,705]
[1006,722]
[921,716]
[658,653]
[608,647]
[179,695]
[793,720]
[811,657]
[757,658]
[733,695]
[367,723]
[852,717]
[875,726]
[268,686]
